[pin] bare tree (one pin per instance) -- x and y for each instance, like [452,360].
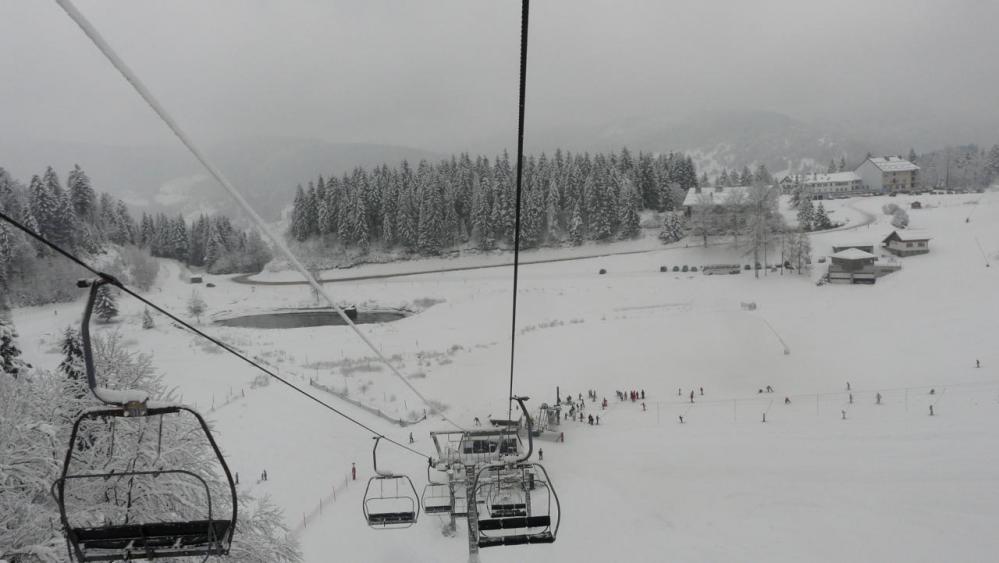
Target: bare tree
[703,218]
[762,219]
[196,306]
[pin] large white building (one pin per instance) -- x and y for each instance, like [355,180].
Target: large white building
[826,185]
[889,174]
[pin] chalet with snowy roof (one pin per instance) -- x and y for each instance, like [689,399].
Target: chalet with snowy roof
[888,174]
[906,244]
[852,265]
[859,246]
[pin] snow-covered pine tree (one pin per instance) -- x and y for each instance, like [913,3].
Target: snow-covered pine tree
[322,213]
[821,221]
[146,230]
[628,210]
[44,206]
[430,225]
[842,164]
[82,195]
[6,255]
[646,179]
[147,319]
[72,355]
[912,155]
[746,177]
[360,233]
[311,211]
[576,226]
[299,228]
[105,305]
[10,354]
[806,212]
[762,175]
[552,220]
[992,164]
[181,241]
[832,167]
[723,180]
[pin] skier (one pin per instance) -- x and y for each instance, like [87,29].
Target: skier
[679,392]
[590,419]
[603,405]
[643,394]
[702,391]
[561,437]
[541,454]
[847,385]
[478,422]
[691,395]
[411,440]
[353,471]
[598,420]
[844,414]
[770,389]
[877,398]
[933,391]
[581,417]
[681,419]
[978,363]
[787,400]
[643,406]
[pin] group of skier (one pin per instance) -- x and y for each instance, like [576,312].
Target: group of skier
[633,395]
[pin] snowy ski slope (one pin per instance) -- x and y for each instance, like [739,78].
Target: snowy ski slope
[889,483]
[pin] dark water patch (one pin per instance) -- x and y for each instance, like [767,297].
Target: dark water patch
[304,319]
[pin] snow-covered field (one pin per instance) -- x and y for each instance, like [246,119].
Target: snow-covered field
[889,483]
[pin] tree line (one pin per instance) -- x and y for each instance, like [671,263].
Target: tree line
[81,220]
[435,206]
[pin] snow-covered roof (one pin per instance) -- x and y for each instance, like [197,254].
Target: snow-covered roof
[715,196]
[853,254]
[907,236]
[892,164]
[835,177]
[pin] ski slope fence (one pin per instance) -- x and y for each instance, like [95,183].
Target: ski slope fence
[360,405]
[323,503]
[894,402]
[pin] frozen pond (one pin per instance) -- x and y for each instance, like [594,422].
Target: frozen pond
[309,318]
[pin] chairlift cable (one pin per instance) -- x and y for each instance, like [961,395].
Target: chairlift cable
[95,37]
[228,348]
[525,9]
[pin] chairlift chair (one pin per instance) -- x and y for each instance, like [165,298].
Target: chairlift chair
[209,535]
[519,505]
[390,500]
[437,497]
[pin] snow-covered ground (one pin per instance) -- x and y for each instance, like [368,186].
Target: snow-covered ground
[889,483]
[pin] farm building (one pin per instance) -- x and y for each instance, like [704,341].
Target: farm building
[906,244]
[852,265]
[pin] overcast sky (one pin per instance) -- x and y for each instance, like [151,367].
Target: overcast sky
[441,74]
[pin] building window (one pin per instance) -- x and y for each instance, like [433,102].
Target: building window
[908,245]
[922,244]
